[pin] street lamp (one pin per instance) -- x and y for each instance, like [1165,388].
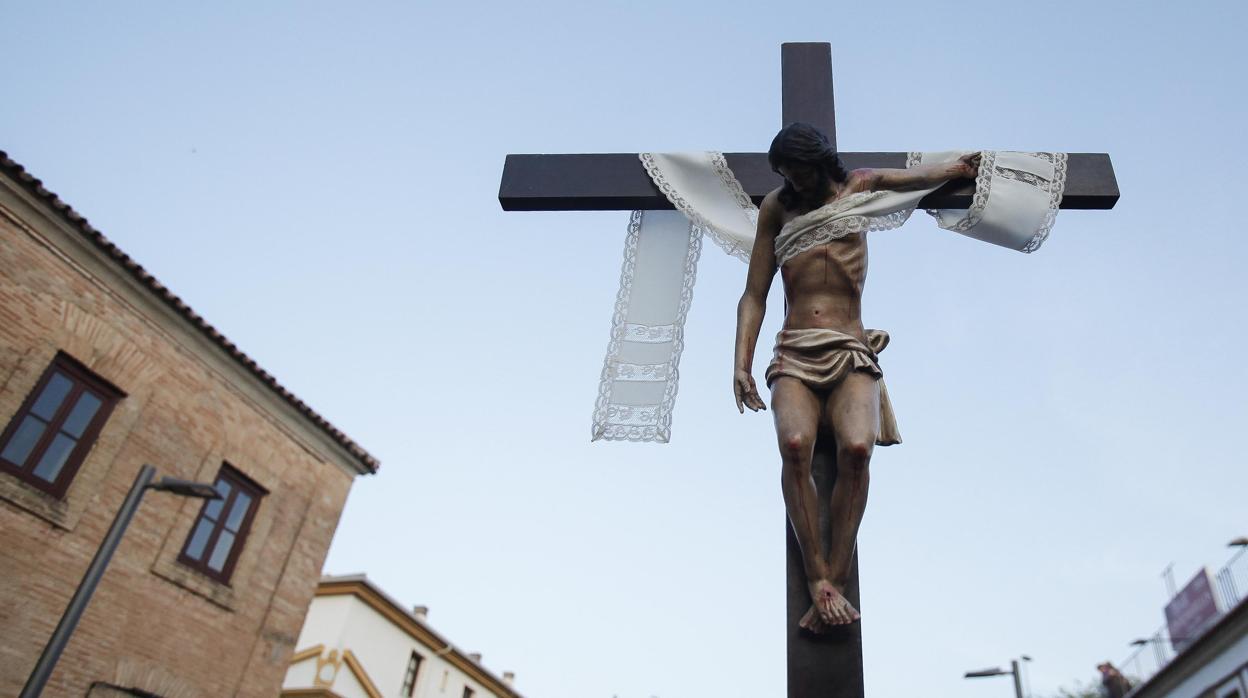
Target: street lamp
[1140,642]
[1159,652]
[186,488]
[997,671]
[73,612]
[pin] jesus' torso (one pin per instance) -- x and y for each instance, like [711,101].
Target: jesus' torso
[823,285]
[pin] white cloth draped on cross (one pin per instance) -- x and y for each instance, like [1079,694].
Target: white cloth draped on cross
[1016,199]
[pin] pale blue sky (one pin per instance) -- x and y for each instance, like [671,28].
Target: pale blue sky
[319,180]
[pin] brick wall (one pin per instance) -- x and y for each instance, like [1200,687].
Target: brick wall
[153,623]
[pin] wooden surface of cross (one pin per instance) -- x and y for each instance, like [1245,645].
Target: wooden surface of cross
[818,666]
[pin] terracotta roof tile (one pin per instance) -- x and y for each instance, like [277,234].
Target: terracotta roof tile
[33,185]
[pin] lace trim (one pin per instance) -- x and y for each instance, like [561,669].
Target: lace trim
[839,228]
[831,209]
[720,164]
[733,185]
[1034,180]
[983,189]
[648,334]
[678,344]
[648,373]
[608,423]
[1056,189]
[624,416]
[605,382]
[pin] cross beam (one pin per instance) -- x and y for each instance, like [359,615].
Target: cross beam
[618,182]
[827,665]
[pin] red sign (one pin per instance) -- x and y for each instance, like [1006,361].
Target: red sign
[1192,610]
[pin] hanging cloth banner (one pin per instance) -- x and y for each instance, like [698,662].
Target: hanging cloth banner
[1017,196]
[639,377]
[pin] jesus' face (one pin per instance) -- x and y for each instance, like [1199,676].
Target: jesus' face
[809,181]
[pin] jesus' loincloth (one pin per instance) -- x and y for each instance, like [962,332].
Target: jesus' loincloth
[820,358]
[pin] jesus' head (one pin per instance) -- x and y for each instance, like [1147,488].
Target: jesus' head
[809,164]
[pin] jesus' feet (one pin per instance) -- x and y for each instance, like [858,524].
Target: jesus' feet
[812,623]
[829,607]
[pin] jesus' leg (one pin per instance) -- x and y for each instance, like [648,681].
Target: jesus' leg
[853,409]
[797,411]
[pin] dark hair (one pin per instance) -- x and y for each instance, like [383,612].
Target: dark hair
[801,143]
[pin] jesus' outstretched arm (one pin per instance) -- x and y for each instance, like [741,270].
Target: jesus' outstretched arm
[923,176]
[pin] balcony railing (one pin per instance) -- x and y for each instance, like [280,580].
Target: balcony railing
[1230,584]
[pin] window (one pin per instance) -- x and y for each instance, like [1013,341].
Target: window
[52,433]
[468,692]
[409,679]
[1230,689]
[220,530]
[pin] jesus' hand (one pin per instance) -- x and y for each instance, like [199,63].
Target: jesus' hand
[969,165]
[746,392]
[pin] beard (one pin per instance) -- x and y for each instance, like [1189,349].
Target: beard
[815,196]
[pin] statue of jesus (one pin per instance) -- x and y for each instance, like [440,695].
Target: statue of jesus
[825,371]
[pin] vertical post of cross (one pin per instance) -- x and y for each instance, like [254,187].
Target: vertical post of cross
[828,665]
[806,86]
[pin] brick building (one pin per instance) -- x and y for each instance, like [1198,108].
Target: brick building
[102,369]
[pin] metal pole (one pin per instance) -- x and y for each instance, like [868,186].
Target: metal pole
[73,612]
[1168,575]
[1018,679]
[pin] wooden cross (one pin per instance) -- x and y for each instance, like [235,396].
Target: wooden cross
[827,665]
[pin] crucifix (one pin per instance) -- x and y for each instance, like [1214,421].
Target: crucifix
[829,664]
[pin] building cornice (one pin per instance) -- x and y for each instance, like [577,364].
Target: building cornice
[63,227]
[377,600]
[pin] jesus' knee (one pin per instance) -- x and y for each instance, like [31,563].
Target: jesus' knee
[795,447]
[854,455]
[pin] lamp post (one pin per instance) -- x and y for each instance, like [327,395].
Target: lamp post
[1159,652]
[1242,544]
[997,671]
[73,612]
[1140,642]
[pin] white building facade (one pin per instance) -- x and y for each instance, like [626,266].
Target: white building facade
[1215,666]
[357,642]
[1210,619]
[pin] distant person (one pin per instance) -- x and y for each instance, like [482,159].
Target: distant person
[1112,680]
